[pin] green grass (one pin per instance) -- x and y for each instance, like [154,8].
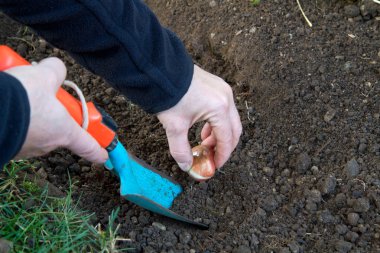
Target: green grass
[255,2]
[33,221]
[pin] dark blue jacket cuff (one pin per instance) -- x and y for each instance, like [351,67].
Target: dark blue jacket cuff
[15,112]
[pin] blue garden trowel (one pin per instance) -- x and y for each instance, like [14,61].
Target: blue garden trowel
[139,182]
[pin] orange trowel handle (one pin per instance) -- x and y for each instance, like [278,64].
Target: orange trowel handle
[100,126]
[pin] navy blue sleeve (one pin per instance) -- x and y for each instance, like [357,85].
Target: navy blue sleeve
[119,40]
[15,117]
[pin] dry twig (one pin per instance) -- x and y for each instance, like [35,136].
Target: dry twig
[304,15]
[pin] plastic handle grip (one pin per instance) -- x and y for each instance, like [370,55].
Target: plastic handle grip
[97,128]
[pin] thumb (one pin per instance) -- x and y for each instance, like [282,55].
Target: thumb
[180,148]
[83,144]
[54,71]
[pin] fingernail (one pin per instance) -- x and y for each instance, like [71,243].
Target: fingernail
[185,166]
[104,156]
[108,165]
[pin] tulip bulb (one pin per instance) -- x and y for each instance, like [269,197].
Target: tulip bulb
[203,167]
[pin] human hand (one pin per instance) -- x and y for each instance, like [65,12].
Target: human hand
[209,99]
[51,126]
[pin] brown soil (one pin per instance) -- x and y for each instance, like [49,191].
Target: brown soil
[305,176]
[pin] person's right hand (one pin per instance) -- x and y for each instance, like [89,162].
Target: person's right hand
[51,126]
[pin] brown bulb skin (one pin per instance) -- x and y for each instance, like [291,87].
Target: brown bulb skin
[203,167]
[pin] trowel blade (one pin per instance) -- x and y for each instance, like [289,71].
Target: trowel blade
[156,208]
[144,185]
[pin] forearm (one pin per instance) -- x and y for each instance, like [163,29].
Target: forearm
[15,112]
[122,41]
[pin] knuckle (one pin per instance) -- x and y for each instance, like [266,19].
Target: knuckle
[50,77]
[89,152]
[223,102]
[222,106]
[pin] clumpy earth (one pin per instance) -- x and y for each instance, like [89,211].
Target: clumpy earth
[305,175]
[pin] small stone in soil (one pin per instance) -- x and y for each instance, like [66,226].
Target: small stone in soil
[314,196]
[42,44]
[343,246]
[303,162]
[340,200]
[110,91]
[209,202]
[260,212]
[185,237]
[314,170]
[341,229]
[361,205]
[254,240]
[268,171]
[328,185]
[352,168]
[134,220]
[159,226]
[351,11]
[294,247]
[352,219]
[311,207]
[119,100]
[362,228]
[212,3]
[269,203]
[352,236]
[42,173]
[326,217]
[330,114]
[348,66]
[242,249]
[362,147]
[285,173]
[369,9]
[284,250]
[86,169]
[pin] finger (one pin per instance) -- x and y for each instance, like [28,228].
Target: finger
[207,136]
[54,71]
[83,144]
[224,142]
[236,126]
[206,131]
[179,147]
[210,141]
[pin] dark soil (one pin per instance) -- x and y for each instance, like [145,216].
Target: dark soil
[305,176]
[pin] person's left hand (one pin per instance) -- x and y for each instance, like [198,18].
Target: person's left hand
[51,126]
[209,99]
